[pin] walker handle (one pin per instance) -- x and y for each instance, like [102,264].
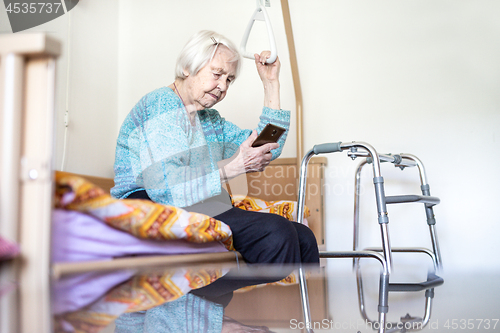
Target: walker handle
[260,14]
[327,148]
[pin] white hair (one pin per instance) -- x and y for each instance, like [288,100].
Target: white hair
[199,51]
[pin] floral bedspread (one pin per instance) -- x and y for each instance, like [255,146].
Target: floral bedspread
[141,218]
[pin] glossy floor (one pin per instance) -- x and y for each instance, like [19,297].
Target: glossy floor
[466,302]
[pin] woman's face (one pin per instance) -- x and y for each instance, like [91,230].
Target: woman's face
[209,85]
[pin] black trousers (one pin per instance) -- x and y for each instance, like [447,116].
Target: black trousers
[260,238]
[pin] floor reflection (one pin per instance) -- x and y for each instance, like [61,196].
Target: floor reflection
[92,302]
[165,300]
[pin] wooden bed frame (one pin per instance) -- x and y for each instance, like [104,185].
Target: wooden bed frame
[278,182]
[27,90]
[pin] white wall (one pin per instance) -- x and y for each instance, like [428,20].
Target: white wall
[152,34]
[91,95]
[93,89]
[417,76]
[421,77]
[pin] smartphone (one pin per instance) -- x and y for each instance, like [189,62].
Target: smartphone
[270,133]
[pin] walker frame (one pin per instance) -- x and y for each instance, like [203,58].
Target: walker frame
[383,254]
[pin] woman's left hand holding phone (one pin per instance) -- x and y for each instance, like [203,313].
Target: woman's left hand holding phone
[247,159]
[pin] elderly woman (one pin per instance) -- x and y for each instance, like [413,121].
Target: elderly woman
[174,148]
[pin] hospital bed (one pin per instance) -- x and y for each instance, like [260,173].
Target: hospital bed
[27,150]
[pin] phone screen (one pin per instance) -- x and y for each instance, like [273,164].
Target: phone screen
[270,133]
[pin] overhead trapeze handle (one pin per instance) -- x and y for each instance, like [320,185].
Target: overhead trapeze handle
[260,14]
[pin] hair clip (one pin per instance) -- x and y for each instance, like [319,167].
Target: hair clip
[214,40]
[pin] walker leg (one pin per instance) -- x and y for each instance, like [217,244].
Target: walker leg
[305,300]
[383,301]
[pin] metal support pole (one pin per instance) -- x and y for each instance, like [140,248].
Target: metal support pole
[302,186]
[300,219]
[306,310]
[378,181]
[429,211]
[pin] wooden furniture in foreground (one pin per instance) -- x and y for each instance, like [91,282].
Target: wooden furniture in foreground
[27,111]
